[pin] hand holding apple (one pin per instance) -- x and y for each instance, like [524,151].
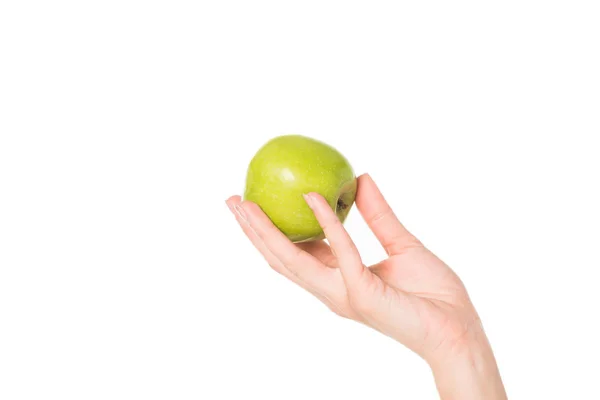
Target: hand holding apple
[411,295]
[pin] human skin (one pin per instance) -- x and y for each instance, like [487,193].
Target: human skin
[411,296]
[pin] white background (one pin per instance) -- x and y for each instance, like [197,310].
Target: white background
[124,125]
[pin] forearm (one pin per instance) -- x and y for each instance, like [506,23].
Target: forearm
[471,373]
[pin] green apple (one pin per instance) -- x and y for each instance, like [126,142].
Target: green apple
[288,166]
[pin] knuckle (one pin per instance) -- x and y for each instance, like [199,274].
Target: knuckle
[362,307]
[294,257]
[337,311]
[363,296]
[332,224]
[277,267]
[382,214]
[401,243]
[359,304]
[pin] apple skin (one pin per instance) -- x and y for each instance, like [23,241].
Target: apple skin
[288,166]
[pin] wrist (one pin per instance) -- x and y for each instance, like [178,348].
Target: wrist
[469,370]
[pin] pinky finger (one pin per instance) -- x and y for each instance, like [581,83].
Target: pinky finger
[273,261]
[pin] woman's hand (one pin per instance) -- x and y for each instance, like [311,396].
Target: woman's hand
[411,296]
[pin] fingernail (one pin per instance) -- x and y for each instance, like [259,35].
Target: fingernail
[309,200]
[240,212]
